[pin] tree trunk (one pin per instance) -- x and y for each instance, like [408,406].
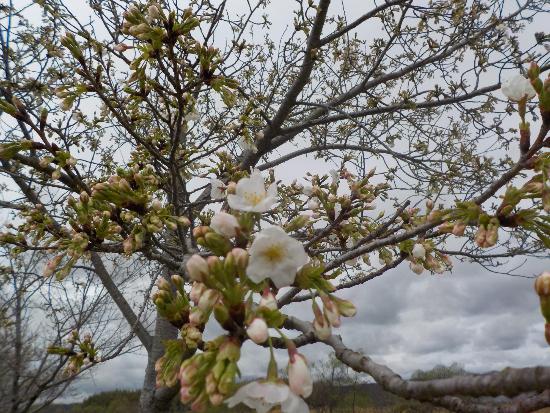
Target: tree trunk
[153,400]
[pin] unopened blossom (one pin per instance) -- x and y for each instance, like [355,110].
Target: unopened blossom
[419,251]
[264,395]
[257,330]
[197,268]
[299,376]
[121,47]
[268,300]
[518,88]
[225,224]
[251,195]
[196,291]
[542,284]
[275,255]
[217,188]
[416,267]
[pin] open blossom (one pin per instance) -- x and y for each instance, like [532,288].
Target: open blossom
[419,251]
[263,396]
[299,376]
[251,196]
[275,255]
[225,224]
[217,189]
[257,331]
[517,88]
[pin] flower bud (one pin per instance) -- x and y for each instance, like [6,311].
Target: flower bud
[196,317]
[241,257]
[162,284]
[197,290]
[225,224]
[459,228]
[52,265]
[229,350]
[121,47]
[257,330]
[207,300]
[419,251]
[416,267]
[268,300]
[331,311]
[320,323]
[153,12]
[197,268]
[299,376]
[345,307]
[542,284]
[177,280]
[185,394]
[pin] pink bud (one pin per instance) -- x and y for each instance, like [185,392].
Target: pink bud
[268,300]
[196,291]
[257,330]
[185,394]
[197,268]
[121,47]
[542,284]
[207,300]
[331,311]
[196,317]
[299,376]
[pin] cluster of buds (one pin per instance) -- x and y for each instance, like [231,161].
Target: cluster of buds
[144,25]
[333,308]
[487,233]
[95,217]
[209,377]
[210,239]
[542,88]
[422,255]
[542,288]
[171,300]
[80,351]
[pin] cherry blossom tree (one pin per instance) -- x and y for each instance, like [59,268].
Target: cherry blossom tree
[155,131]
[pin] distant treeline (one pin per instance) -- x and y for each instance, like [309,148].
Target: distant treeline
[361,398]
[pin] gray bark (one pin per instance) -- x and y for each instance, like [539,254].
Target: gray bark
[153,400]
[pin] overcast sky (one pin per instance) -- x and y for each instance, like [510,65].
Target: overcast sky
[482,320]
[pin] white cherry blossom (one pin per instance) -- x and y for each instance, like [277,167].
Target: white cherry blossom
[275,255]
[517,88]
[251,195]
[263,396]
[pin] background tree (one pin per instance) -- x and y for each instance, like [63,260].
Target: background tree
[115,115]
